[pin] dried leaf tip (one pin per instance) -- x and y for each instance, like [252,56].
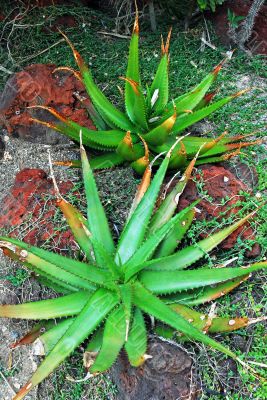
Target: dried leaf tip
[198,152]
[23,391]
[230,155]
[217,68]
[232,146]
[188,111]
[66,38]
[82,149]
[209,96]
[225,133]
[38,121]
[134,84]
[147,357]
[52,111]
[136,21]
[128,139]
[64,163]
[237,94]
[77,74]
[77,55]
[165,48]
[146,156]
[86,378]
[57,192]
[7,245]
[174,145]
[220,65]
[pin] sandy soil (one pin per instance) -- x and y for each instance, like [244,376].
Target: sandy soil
[20,363]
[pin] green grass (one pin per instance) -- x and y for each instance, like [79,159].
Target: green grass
[99,388]
[107,57]
[16,279]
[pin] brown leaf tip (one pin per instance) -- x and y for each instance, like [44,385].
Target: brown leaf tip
[165,48]
[217,68]
[237,94]
[136,24]
[134,84]
[209,96]
[79,60]
[146,156]
[23,391]
[77,74]
[128,139]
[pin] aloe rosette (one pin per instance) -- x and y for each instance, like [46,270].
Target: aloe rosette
[150,115]
[104,299]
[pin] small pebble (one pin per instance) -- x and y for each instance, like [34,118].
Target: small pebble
[16,385]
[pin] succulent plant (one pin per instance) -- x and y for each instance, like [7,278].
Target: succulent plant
[105,297]
[149,116]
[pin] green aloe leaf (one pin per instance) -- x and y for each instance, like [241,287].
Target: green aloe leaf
[163,282]
[78,225]
[174,237]
[104,107]
[103,301]
[48,280]
[105,260]
[160,84]
[49,339]
[104,161]
[194,97]
[193,253]
[147,249]
[96,118]
[158,135]
[96,216]
[52,265]
[95,342]
[220,148]
[204,322]
[134,231]
[126,294]
[35,332]
[135,104]
[169,204]
[102,139]
[63,306]
[187,119]
[136,344]
[128,149]
[113,340]
[205,294]
[155,307]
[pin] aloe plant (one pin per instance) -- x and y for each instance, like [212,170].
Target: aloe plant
[150,114]
[105,297]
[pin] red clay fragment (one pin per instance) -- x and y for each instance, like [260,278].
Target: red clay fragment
[35,85]
[219,183]
[31,203]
